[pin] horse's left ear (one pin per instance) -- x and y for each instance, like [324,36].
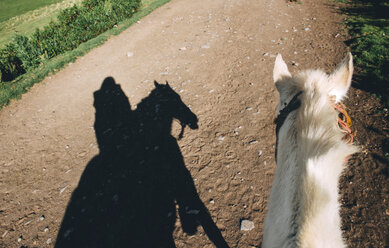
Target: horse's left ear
[156,84]
[280,69]
[167,84]
[340,79]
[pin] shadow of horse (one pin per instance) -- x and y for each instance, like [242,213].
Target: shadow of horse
[128,193]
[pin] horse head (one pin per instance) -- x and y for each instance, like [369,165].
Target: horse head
[173,105]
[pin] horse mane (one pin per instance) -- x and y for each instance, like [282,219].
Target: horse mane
[303,209]
[321,153]
[147,101]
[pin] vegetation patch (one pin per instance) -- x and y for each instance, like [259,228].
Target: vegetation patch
[11,8]
[25,24]
[75,25]
[43,65]
[368,25]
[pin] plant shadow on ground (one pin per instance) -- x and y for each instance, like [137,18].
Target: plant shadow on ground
[368,24]
[127,194]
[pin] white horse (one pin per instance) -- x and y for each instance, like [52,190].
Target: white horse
[303,209]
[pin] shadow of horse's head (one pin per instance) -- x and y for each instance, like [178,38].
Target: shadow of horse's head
[169,104]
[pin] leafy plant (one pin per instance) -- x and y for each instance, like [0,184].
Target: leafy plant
[368,25]
[10,65]
[75,25]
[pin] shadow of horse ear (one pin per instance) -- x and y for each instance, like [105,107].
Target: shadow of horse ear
[156,84]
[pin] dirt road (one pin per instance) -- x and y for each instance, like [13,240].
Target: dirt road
[218,56]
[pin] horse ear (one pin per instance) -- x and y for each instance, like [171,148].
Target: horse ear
[167,84]
[156,84]
[340,79]
[280,69]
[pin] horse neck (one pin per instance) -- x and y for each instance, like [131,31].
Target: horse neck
[311,158]
[151,123]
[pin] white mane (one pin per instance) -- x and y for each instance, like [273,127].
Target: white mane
[303,210]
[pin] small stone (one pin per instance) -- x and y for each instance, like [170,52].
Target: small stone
[48,241]
[46,229]
[246,225]
[259,153]
[63,189]
[42,217]
[130,54]
[206,46]
[306,29]
[20,239]
[253,142]
[182,49]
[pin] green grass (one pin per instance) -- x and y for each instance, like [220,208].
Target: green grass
[26,23]
[368,26]
[11,8]
[14,89]
[340,1]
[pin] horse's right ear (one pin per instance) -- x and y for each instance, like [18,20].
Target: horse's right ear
[280,69]
[156,84]
[340,79]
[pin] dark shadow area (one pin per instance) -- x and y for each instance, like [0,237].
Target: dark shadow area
[127,195]
[370,9]
[368,24]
